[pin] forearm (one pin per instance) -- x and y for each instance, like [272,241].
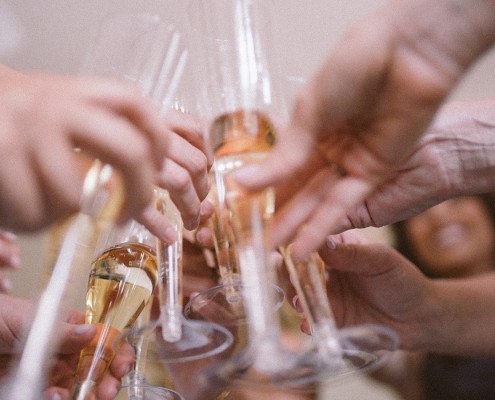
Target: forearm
[447,34]
[461,317]
[464,133]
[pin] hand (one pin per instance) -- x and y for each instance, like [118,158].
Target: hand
[44,118]
[372,283]
[358,120]
[184,174]
[73,337]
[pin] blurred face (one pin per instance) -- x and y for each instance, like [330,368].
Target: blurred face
[455,238]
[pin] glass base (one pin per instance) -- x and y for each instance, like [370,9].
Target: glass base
[200,339]
[216,305]
[147,392]
[363,349]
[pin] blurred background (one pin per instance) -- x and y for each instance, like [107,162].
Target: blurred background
[54,35]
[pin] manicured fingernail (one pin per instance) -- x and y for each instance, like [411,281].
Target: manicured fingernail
[296,304]
[83,329]
[331,244]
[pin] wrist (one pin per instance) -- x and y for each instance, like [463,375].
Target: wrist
[449,34]
[459,316]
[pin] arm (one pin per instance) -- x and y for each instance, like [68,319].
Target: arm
[359,118]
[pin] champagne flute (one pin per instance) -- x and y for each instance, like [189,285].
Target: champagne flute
[228,294]
[137,47]
[175,338]
[240,95]
[121,282]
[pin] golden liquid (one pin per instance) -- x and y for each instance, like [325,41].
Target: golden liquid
[240,138]
[223,237]
[120,285]
[241,132]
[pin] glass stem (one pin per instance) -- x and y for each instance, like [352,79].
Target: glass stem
[309,281]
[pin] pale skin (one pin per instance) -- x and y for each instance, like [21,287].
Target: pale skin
[372,283]
[74,336]
[354,153]
[45,117]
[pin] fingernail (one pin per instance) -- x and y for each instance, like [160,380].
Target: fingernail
[170,235]
[296,304]
[6,285]
[56,396]
[330,244]
[116,390]
[82,329]
[10,236]
[190,225]
[15,261]
[245,172]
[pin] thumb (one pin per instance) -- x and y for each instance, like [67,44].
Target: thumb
[74,338]
[289,155]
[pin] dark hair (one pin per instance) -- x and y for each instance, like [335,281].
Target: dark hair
[403,243]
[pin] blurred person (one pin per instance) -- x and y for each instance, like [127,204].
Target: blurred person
[355,152]
[455,239]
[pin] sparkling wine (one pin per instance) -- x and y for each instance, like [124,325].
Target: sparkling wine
[121,283]
[220,224]
[240,138]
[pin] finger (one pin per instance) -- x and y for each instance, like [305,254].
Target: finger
[5,284]
[127,100]
[10,252]
[14,213]
[75,337]
[62,187]
[345,194]
[56,393]
[288,156]
[108,388]
[204,237]
[177,181]
[191,159]
[301,207]
[191,129]
[116,141]
[306,327]
[158,224]
[122,361]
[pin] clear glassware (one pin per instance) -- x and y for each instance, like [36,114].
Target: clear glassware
[122,279]
[149,392]
[136,47]
[241,95]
